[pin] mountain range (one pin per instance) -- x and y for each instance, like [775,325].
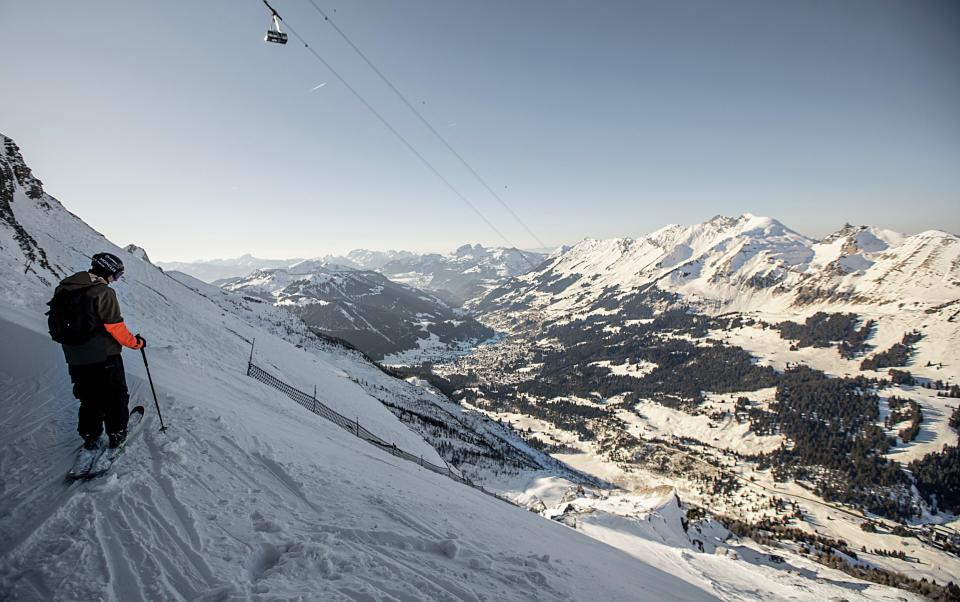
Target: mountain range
[464,274]
[456,277]
[747,263]
[378,316]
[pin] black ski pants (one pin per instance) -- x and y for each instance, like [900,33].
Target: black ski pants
[102,391]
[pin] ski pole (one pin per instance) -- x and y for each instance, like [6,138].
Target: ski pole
[152,390]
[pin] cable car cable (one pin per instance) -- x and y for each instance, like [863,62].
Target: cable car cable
[392,129]
[426,123]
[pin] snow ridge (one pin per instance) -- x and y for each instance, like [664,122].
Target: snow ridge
[748,263]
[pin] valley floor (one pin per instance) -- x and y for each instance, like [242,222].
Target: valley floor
[689,449]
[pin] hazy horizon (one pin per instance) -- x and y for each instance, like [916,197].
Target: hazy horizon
[184,133]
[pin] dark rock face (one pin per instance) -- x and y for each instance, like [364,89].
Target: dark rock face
[139,252]
[14,175]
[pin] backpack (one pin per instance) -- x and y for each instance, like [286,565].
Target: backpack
[71,318]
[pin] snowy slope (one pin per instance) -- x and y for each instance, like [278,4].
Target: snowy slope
[248,496]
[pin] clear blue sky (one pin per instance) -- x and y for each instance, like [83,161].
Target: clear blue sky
[172,125]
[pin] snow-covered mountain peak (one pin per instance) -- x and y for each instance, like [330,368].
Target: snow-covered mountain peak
[464,274]
[138,252]
[755,223]
[664,230]
[15,172]
[747,224]
[700,237]
[594,246]
[19,185]
[674,245]
[729,263]
[723,221]
[851,249]
[468,250]
[365,259]
[866,238]
[935,235]
[314,266]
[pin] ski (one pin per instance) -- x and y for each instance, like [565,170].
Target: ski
[85,461]
[102,463]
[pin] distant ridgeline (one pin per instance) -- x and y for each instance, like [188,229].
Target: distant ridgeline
[374,314]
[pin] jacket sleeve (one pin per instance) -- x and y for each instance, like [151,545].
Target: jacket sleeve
[108,310]
[119,331]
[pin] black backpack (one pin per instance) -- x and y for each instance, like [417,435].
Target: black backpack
[71,318]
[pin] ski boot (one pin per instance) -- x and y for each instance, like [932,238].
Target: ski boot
[117,439]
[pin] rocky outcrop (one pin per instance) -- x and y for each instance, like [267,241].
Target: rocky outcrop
[16,176]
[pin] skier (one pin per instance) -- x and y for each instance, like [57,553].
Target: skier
[85,318]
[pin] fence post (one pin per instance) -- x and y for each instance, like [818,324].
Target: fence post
[250,361]
[358,426]
[314,399]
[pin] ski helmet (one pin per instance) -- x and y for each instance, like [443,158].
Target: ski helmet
[106,265]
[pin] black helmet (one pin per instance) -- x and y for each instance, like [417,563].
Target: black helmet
[106,265]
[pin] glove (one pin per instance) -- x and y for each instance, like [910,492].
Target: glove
[142,341]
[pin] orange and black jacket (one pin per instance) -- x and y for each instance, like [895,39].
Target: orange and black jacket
[105,342]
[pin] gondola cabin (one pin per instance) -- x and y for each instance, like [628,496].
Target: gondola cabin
[277,37]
